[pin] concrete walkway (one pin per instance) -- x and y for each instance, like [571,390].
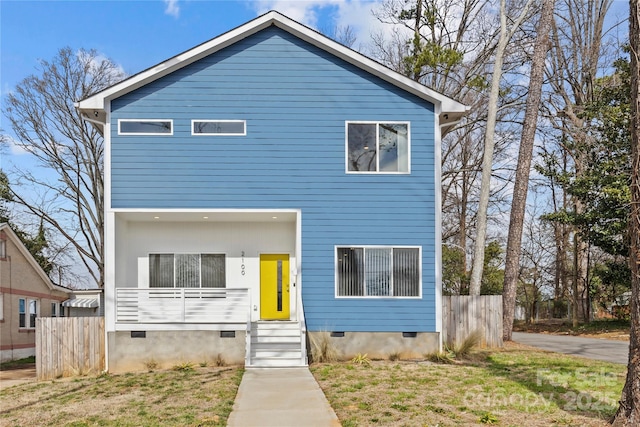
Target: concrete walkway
[591,348]
[282,397]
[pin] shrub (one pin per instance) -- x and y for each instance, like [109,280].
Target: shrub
[361,359]
[322,349]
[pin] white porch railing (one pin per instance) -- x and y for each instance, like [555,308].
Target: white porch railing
[303,329]
[183,305]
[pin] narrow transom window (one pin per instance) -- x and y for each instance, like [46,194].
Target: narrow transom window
[145,127]
[378,272]
[187,271]
[219,127]
[378,147]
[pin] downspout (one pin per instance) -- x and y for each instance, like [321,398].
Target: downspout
[440,323]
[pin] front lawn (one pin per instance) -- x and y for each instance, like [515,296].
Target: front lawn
[189,396]
[516,386]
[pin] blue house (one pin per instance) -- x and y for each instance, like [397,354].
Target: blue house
[268,187]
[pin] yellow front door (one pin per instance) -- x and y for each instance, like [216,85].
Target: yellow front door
[274,286]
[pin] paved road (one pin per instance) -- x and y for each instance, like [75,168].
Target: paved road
[591,348]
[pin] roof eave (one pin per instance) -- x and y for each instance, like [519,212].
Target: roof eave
[94,106]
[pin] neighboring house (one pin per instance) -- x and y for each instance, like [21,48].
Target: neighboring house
[26,292]
[267,183]
[84,303]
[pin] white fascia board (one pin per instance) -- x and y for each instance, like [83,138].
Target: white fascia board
[442,102]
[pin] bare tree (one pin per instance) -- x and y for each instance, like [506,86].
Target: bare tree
[448,45]
[506,33]
[577,52]
[521,185]
[48,126]
[628,413]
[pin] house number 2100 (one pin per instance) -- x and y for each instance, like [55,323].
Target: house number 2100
[242,271]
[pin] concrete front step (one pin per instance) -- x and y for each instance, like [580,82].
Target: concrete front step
[274,352]
[279,362]
[275,340]
[276,344]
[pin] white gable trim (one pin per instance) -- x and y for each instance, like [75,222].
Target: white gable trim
[451,110]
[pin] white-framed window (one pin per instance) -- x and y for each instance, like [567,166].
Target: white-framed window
[378,147]
[187,271]
[378,271]
[27,312]
[33,312]
[145,127]
[1,306]
[3,248]
[57,310]
[22,313]
[219,127]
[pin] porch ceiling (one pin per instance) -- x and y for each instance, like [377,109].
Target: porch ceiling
[209,216]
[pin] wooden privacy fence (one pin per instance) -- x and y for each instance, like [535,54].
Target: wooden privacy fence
[69,346]
[463,314]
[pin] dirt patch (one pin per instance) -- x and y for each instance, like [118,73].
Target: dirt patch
[17,375]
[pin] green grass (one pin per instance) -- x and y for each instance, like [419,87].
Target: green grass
[17,363]
[514,386]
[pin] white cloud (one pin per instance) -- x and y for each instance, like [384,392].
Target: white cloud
[97,60]
[172,8]
[11,144]
[356,14]
[304,12]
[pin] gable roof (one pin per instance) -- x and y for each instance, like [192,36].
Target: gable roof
[4,227]
[94,107]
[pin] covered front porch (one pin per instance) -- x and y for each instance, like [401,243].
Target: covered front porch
[202,277]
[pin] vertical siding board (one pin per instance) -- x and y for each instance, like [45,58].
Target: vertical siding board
[295,99]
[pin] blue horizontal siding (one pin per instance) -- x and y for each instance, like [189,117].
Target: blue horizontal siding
[295,99]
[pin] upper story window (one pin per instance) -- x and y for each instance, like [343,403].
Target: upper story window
[378,147]
[3,248]
[378,271]
[187,271]
[219,127]
[145,127]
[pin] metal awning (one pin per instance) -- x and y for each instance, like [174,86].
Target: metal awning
[81,303]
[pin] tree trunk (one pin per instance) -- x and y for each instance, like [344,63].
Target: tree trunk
[487,158]
[489,142]
[575,302]
[521,185]
[628,413]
